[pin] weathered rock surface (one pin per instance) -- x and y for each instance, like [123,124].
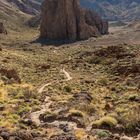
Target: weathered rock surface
[2,28]
[66,20]
[11,73]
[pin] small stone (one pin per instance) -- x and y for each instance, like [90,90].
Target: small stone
[108,106]
[5,135]
[44,67]
[64,127]
[126,138]
[10,74]
[119,127]
[116,136]
[39,138]
[2,107]
[138,137]
[27,121]
[1,138]
[14,138]
[2,29]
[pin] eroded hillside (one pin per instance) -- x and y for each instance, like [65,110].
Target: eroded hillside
[128,10]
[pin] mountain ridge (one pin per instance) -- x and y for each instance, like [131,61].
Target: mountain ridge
[111,10]
[115,9]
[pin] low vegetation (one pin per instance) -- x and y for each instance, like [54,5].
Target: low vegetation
[104,92]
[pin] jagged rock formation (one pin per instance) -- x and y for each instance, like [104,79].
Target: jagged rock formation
[65,19]
[2,28]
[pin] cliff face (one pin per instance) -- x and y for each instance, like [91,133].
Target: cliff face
[65,19]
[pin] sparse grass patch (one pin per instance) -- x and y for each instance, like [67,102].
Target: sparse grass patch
[48,116]
[23,110]
[103,134]
[80,134]
[77,113]
[91,73]
[130,119]
[106,121]
[67,89]
[103,81]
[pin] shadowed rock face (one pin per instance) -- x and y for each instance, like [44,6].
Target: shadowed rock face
[65,19]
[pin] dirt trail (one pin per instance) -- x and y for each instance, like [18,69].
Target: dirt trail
[66,74]
[35,115]
[40,90]
[47,102]
[45,107]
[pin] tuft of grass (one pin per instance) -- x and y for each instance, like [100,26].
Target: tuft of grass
[103,81]
[107,120]
[77,113]
[67,89]
[103,134]
[130,119]
[80,133]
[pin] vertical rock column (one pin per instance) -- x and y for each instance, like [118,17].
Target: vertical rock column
[66,20]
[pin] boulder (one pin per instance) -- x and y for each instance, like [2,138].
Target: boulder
[2,107]
[5,135]
[126,138]
[10,73]
[2,29]
[1,138]
[66,20]
[24,135]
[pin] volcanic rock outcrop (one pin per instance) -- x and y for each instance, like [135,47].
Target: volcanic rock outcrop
[66,20]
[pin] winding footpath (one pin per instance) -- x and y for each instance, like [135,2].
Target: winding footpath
[45,107]
[68,77]
[71,125]
[40,90]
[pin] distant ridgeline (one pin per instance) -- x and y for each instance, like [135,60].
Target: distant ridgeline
[107,9]
[115,9]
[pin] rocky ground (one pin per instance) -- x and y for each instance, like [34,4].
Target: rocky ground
[88,90]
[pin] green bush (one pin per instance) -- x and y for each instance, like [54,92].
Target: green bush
[103,134]
[67,89]
[109,121]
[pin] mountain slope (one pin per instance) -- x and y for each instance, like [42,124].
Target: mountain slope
[17,12]
[27,6]
[115,9]
[108,9]
[10,14]
[12,9]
